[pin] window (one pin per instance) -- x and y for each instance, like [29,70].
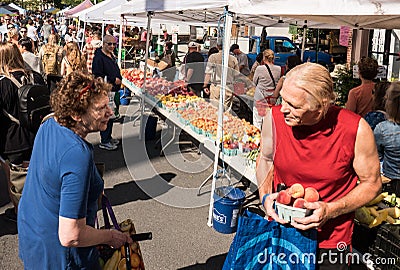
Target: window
[284,46]
[385,48]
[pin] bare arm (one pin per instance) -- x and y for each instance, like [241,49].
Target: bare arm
[189,74]
[207,78]
[366,165]
[265,158]
[265,167]
[75,233]
[63,68]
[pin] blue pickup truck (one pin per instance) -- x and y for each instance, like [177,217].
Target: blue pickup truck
[283,47]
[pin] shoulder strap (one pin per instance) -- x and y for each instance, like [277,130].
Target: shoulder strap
[15,81]
[270,74]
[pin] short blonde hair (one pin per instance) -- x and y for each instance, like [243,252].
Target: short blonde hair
[12,33]
[269,55]
[316,80]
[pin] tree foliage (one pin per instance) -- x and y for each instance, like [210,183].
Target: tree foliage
[343,83]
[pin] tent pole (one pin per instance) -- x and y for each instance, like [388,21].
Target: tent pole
[84,31]
[120,41]
[146,57]
[303,42]
[102,30]
[224,73]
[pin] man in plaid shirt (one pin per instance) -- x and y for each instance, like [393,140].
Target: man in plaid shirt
[90,48]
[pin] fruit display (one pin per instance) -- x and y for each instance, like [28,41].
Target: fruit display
[251,92]
[176,102]
[155,86]
[384,208]
[201,116]
[134,75]
[251,157]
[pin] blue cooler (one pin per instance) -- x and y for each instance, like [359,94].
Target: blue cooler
[227,201]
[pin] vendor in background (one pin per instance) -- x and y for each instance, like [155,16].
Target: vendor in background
[169,57]
[322,146]
[387,137]
[242,59]
[360,99]
[213,76]
[194,69]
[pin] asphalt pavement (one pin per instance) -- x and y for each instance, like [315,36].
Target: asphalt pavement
[158,191]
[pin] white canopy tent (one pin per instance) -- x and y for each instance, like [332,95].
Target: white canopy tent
[95,13]
[381,14]
[20,9]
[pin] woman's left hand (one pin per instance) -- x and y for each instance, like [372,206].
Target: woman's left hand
[118,239]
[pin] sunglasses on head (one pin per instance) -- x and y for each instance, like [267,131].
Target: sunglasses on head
[111,43]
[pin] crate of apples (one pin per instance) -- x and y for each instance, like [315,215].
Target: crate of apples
[290,202]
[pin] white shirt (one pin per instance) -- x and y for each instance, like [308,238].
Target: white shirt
[32,32]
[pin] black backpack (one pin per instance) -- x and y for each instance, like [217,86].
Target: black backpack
[33,104]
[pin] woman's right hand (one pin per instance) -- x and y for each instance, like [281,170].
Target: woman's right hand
[118,239]
[269,208]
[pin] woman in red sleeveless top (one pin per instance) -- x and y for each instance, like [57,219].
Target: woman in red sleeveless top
[318,145]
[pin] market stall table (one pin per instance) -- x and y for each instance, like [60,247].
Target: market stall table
[237,163]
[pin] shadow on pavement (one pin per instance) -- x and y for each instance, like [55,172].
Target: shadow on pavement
[212,263]
[7,227]
[130,191]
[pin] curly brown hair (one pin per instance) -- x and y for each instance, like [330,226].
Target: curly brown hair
[368,68]
[74,95]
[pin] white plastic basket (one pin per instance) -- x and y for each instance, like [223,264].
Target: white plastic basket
[287,213]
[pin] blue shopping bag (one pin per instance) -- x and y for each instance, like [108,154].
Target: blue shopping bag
[263,244]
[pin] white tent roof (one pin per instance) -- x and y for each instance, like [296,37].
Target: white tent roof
[184,11]
[20,9]
[61,12]
[96,13]
[383,14]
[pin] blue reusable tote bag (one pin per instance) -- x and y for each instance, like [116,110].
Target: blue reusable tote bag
[262,244]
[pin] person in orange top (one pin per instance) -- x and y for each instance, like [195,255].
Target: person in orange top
[361,98]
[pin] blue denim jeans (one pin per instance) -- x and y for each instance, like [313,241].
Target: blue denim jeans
[106,134]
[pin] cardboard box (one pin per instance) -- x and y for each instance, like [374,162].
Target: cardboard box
[160,65]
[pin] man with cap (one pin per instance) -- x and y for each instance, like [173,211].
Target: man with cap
[242,59]
[213,76]
[194,69]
